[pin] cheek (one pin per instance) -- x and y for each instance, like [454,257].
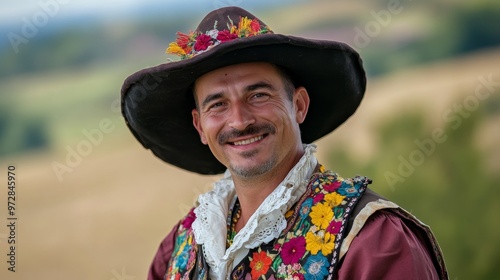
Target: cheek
[211,128]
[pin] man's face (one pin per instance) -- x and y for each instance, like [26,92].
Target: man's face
[247,119]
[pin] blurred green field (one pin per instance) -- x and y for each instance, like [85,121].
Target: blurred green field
[105,214]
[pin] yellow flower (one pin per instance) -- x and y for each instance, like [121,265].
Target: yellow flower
[321,215]
[321,241]
[333,199]
[244,24]
[174,48]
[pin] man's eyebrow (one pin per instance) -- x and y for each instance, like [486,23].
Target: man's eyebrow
[259,85]
[249,88]
[210,98]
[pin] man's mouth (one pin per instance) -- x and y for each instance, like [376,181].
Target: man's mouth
[254,132]
[248,141]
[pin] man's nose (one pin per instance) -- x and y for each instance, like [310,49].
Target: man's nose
[241,116]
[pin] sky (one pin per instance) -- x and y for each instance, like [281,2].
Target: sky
[13,12]
[23,17]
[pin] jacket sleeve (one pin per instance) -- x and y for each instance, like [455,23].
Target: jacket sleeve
[160,262]
[387,248]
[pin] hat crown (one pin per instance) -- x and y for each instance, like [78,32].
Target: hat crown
[225,17]
[219,26]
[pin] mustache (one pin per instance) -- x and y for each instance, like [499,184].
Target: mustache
[223,137]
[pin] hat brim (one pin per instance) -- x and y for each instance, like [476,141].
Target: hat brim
[157,101]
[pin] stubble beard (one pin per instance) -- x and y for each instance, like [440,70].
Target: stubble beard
[253,171]
[248,172]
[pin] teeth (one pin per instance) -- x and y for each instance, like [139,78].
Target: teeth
[248,141]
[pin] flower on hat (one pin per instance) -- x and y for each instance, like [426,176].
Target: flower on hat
[202,42]
[226,35]
[194,43]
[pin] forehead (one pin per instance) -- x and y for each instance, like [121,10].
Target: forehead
[237,73]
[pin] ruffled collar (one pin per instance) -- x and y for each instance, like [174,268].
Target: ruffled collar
[264,225]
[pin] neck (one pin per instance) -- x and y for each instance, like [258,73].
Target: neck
[252,192]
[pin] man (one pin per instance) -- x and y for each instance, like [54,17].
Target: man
[244,101]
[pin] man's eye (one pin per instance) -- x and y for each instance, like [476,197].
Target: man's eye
[216,105]
[259,95]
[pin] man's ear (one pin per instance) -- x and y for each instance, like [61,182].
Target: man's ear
[301,104]
[196,122]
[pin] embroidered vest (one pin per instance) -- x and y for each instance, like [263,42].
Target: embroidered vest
[309,247]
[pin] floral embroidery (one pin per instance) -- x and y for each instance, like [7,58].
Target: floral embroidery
[308,249]
[334,227]
[321,215]
[320,241]
[348,188]
[333,186]
[184,256]
[194,43]
[290,271]
[316,267]
[306,207]
[293,250]
[333,199]
[260,264]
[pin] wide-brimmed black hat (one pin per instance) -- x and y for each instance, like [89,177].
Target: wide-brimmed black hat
[157,101]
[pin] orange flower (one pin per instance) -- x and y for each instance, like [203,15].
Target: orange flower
[182,39]
[260,264]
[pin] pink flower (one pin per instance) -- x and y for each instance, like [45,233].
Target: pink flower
[203,41]
[225,36]
[334,227]
[293,250]
[333,186]
[319,197]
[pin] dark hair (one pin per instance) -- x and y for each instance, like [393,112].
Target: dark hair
[288,83]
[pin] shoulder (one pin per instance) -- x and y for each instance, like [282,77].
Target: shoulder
[381,233]
[329,181]
[160,262]
[388,247]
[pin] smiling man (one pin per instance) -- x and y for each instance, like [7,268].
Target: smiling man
[247,102]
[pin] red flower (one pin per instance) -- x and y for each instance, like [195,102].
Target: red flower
[255,26]
[260,264]
[203,41]
[334,227]
[333,186]
[225,36]
[293,250]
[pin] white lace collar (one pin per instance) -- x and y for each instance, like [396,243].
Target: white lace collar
[264,225]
